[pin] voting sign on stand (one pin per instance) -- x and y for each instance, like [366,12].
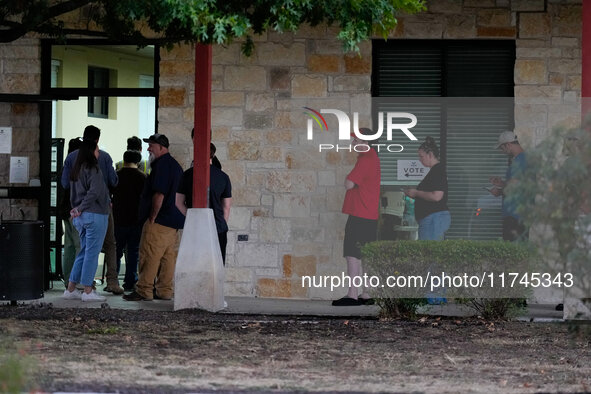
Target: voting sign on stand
[411,170]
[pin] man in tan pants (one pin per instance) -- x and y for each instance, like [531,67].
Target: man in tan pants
[160,233]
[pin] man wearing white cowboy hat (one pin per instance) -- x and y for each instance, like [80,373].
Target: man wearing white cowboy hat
[513,227]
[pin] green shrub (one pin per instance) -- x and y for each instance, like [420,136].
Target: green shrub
[405,308]
[456,258]
[15,372]
[495,308]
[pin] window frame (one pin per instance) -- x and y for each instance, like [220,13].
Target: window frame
[103,101]
[72,93]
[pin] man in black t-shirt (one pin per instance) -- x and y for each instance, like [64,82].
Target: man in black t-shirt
[220,198]
[128,230]
[161,224]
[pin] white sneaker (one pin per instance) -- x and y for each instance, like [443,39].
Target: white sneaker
[92,296]
[74,295]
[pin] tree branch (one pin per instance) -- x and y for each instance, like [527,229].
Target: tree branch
[33,20]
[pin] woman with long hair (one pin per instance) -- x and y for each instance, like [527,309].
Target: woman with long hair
[71,237]
[89,197]
[431,211]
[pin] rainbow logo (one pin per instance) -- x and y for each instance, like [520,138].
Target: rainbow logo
[317,117]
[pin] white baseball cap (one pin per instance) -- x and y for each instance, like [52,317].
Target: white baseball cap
[505,137]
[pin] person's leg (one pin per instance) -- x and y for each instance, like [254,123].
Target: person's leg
[353,271]
[152,249]
[441,223]
[510,228]
[76,271]
[358,232]
[433,228]
[121,234]
[109,247]
[368,232]
[96,227]
[223,239]
[132,257]
[426,229]
[523,231]
[71,248]
[165,281]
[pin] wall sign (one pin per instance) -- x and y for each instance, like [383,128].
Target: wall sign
[6,140]
[411,170]
[19,169]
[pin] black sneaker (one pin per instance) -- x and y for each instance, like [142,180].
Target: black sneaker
[346,301]
[135,296]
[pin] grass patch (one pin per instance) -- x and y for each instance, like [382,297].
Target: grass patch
[16,371]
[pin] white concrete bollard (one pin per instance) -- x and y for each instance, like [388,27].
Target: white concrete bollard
[199,273]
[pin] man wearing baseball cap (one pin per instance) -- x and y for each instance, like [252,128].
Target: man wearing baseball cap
[513,227]
[162,221]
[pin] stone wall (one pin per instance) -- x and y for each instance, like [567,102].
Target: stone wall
[287,197]
[20,73]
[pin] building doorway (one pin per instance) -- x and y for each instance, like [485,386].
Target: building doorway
[108,85]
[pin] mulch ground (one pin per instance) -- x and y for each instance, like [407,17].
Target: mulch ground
[107,350]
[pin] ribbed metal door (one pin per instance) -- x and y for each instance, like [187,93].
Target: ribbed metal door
[466,129]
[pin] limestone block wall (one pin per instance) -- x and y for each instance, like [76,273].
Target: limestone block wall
[548,70]
[20,73]
[287,197]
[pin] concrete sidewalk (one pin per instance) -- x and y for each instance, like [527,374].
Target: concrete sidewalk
[282,306]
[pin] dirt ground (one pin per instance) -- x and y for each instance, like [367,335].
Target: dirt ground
[106,350]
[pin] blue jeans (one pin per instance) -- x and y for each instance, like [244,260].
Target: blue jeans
[434,226]
[71,248]
[128,238]
[92,228]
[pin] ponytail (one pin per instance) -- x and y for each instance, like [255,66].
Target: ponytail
[430,146]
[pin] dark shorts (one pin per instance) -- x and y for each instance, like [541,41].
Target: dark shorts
[358,232]
[514,230]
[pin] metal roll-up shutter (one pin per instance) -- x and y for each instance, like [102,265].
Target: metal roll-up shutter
[465,129]
[407,69]
[429,124]
[472,132]
[483,70]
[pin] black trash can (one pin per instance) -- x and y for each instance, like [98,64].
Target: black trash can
[21,260]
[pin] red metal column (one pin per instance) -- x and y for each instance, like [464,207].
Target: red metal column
[202,137]
[586,60]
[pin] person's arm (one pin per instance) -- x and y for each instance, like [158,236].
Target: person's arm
[497,181]
[434,196]
[349,184]
[226,205]
[179,201]
[157,200]
[357,175]
[112,178]
[65,179]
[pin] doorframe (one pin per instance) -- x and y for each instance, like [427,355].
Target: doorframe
[45,99]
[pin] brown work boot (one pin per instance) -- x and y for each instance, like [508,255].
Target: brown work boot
[115,289]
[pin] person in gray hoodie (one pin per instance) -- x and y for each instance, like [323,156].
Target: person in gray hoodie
[90,201]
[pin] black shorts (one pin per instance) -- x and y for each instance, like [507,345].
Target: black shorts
[358,232]
[514,230]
